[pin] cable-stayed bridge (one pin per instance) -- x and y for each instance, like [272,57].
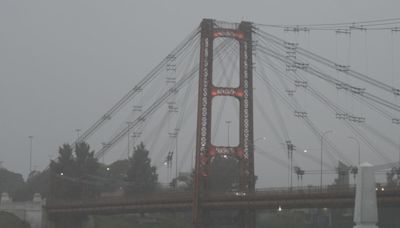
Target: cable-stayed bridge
[229,86]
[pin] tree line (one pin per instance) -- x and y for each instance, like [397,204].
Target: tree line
[77,173]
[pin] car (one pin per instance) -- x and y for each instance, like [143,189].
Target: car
[240,193]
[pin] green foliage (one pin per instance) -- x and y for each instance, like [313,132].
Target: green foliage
[113,175]
[224,174]
[393,176]
[71,171]
[38,182]
[183,182]
[8,220]
[119,168]
[10,181]
[141,174]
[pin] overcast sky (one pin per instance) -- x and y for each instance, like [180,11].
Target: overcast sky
[64,63]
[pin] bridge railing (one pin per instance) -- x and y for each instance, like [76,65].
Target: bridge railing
[170,195]
[311,189]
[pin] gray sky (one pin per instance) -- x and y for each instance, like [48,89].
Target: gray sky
[64,63]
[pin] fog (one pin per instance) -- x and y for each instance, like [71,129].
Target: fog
[64,63]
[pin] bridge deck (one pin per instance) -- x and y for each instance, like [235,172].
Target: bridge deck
[182,201]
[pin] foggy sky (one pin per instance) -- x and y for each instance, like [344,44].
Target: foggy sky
[64,63]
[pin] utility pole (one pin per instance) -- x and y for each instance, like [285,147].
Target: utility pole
[30,154]
[77,133]
[290,148]
[176,152]
[359,150]
[399,150]
[129,135]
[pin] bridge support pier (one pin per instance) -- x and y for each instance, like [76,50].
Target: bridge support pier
[365,208]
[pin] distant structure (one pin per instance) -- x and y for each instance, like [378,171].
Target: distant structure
[366,208]
[343,178]
[30,211]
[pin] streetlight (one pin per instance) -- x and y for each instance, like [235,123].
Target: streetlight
[228,122]
[322,140]
[358,142]
[176,152]
[77,133]
[254,150]
[129,123]
[290,148]
[30,154]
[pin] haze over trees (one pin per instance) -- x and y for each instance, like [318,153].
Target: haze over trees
[10,181]
[71,171]
[76,173]
[9,220]
[141,175]
[224,174]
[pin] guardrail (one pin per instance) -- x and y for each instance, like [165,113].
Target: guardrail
[304,197]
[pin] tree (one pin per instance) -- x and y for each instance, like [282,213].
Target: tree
[224,174]
[10,181]
[10,220]
[391,176]
[37,182]
[113,175]
[184,182]
[70,173]
[141,174]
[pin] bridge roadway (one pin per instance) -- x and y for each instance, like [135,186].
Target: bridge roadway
[310,197]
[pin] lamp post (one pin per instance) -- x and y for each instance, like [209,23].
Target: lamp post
[30,153]
[322,140]
[290,148]
[254,151]
[176,152]
[77,133]
[359,150]
[129,123]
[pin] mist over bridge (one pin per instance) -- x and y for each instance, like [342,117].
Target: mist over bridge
[224,57]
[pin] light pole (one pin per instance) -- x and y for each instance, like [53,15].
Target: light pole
[176,152]
[322,140]
[129,135]
[359,150]
[228,122]
[254,151]
[290,148]
[30,153]
[77,133]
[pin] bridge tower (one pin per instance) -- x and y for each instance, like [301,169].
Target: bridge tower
[205,151]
